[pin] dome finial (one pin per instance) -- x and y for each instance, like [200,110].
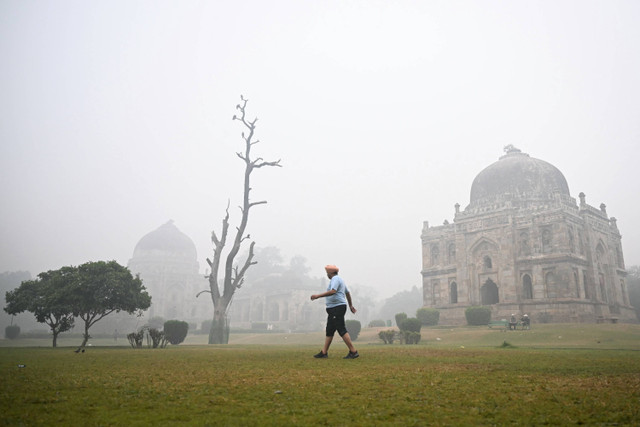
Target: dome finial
[508,149]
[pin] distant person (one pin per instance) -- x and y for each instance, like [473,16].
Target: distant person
[513,322]
[337,296]
[526,322]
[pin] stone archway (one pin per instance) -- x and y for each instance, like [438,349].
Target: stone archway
[489,293]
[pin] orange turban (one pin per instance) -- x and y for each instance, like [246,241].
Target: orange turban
[332,269]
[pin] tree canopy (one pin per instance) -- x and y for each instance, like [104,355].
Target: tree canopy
[102,288]
[47,297]
[90,291]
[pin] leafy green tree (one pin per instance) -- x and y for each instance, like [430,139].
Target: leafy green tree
[101,288]
[10,280]
[47,297]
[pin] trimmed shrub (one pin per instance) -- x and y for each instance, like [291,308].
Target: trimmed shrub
[478,315]
[410,337]
[428,316]
[12,332]
[400,317]
[156,337]
[378,323]
[175,331]
[411,324]
[387,336]
[135,338]
[353,327]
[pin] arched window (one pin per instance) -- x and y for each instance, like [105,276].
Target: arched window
[489,293]
[600,253]
[487,262]
[453,293]
[527,287]
[435,254]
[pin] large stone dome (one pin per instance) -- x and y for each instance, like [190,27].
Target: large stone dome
[516,175]
[166,240]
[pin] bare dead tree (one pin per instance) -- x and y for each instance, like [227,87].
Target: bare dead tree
[233,274]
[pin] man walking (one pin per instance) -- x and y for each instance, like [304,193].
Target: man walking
[337,296]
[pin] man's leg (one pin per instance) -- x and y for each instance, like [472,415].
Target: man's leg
[327,343]
[347,340]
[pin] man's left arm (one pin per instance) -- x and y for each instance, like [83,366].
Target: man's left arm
[351,307]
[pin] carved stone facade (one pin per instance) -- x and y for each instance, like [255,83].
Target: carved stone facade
[523,245]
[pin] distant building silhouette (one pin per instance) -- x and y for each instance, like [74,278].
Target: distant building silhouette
[166,261]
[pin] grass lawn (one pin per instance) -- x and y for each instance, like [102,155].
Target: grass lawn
[554,374]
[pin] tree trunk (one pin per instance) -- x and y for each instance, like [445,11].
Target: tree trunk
[85,336]
[55,339]
[219,333]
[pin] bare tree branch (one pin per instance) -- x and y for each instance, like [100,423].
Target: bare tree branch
[233,275]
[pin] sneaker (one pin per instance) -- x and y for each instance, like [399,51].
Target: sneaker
[321,355]
[352,355]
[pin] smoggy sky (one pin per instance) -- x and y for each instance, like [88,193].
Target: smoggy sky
[115,117]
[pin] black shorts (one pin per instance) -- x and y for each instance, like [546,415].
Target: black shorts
[335,320]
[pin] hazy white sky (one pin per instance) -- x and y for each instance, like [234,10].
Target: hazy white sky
[115,116]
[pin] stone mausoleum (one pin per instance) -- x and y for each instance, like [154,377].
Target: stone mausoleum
[523,245]
[166,260]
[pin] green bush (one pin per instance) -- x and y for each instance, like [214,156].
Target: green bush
[135,338]
[410,337]
[428,316]
[353,327]
[378,323]
[478,315]
[400,317]
[411,324]
[157,338]
[175,331]
[12,332]
[387,336]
